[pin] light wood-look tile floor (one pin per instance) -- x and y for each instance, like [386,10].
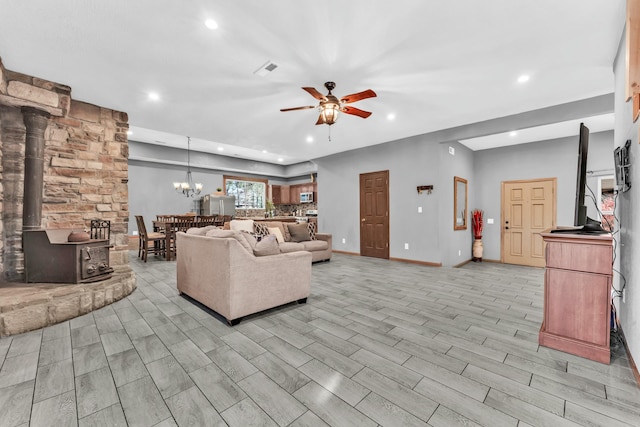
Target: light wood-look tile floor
[378,343]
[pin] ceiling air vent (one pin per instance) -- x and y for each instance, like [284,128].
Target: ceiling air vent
[265,69]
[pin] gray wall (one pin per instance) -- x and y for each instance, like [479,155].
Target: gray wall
[153,169]
[411,162]
[414,161]
[455,245]
[556,158]
[627,210]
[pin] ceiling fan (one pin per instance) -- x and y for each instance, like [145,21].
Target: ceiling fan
[330,105]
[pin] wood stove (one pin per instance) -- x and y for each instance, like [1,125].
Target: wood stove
[50,258]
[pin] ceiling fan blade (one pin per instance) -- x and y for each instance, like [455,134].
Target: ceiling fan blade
[313,92]
[298,108]
[320,120]
[355,111]
[358,96]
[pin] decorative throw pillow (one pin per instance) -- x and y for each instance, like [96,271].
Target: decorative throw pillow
[312,230]
[299,232]
[260,229]
[242,225]
[276,232]
[267,246]
[280,225]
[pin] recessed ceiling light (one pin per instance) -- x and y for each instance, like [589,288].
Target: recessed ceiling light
[523,78]
[220,148]
[264,151]
[154,96]
[391,116]
[280,159]
[513,133]
[309,139]
[211,24]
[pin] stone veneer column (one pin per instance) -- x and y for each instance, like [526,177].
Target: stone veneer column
[12,145]
[36,122]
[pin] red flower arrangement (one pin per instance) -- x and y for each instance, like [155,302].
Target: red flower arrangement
[477,221]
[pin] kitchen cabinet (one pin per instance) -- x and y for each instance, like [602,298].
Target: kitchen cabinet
[276,194]
[290,194]
[280,194]
[284,195]
[577,294]
[295,194]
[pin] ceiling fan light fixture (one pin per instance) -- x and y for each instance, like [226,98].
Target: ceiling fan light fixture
[330,112]
[330,106]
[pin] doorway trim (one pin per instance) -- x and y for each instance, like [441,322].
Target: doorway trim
[381,252]
[554,201]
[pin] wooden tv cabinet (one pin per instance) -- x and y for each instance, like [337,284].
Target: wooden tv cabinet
[577,294]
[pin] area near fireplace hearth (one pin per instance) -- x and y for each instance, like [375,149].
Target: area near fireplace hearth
[63,163]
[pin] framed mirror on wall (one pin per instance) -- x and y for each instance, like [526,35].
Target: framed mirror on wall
[460,211]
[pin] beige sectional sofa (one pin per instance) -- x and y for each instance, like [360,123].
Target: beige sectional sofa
[220,269]
[319,244]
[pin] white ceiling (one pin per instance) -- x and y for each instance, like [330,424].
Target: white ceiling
[435,65]
[540,133]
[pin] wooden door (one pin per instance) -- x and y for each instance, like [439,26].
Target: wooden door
[528,208]
[374,214]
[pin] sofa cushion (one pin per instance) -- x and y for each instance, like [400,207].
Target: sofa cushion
[267,246]
[280,225]
[299,232]
[315,245]
[251,240]
[287,247]
[220,233]
[242,225]
[276,232]
[238,235]
[201,231]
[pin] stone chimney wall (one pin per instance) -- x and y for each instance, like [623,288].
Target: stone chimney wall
[85,166]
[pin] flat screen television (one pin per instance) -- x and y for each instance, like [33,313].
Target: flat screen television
[582,223]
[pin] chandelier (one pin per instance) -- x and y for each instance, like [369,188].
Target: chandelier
[188,188]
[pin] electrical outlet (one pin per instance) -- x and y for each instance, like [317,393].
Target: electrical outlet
[135,232]
[419,209]
[452,151]
[489,220]
[344,240]
[406,246]
[459,252]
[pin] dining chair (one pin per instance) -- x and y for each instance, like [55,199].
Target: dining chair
[157,240]
[204,220]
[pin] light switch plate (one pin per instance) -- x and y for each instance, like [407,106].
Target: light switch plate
[419,209]
[489,220]
[452,151]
